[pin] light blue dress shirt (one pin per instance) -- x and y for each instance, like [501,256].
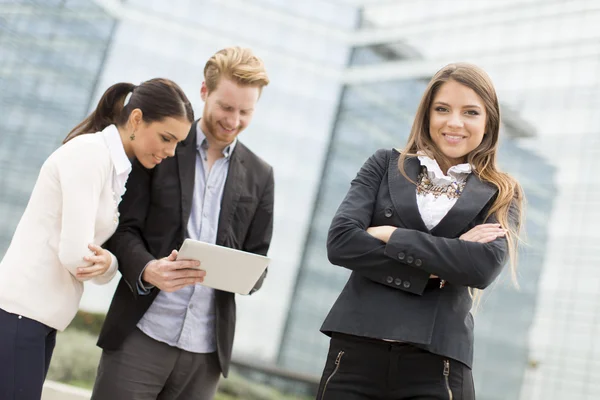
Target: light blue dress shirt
[186,318]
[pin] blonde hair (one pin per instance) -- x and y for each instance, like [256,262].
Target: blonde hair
[238,64]
[509,200]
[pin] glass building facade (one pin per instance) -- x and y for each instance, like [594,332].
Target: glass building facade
[51,54]
[346,77]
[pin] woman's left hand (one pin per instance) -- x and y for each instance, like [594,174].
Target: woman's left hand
[101,263]
[382,233]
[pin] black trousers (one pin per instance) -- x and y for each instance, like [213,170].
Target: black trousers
[369,369]
[25,351]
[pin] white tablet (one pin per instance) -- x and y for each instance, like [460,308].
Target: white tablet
[226,269]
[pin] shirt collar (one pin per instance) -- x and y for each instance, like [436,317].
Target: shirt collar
[117,151]
[433,166]
[202,143]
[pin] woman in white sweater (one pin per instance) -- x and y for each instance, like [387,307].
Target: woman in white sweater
[71,213]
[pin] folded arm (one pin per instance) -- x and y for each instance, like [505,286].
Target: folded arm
[350,245]
[82,171]
[474,259]
[458,261]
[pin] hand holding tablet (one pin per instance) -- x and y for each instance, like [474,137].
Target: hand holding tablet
[169,274]
[226,269]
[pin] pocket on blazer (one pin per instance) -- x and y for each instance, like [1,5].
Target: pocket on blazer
[246,199]
[244,211]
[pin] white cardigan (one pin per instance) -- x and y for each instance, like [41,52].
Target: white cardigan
[74,203]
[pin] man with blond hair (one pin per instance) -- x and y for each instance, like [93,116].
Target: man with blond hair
[166,337]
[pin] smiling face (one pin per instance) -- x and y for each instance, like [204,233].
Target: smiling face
[457,121]
[227,111]
[157,140]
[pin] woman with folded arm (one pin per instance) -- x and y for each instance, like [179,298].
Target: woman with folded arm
[71,213]
[422,230]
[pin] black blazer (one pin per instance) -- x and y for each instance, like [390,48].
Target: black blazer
[154,214]
[389,294]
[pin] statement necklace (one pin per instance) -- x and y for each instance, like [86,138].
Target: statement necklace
[425,186]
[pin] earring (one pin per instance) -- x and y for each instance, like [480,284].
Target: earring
[132,136]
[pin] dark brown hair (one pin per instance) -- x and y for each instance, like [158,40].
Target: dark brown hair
[157,98]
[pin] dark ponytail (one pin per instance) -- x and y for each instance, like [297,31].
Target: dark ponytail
[157,99]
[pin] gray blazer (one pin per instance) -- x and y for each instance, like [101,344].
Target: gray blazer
[389,294]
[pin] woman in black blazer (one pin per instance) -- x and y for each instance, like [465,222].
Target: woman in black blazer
[423,230]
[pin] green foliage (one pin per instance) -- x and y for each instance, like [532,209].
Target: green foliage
[88,322]
[236,387]
[223,396]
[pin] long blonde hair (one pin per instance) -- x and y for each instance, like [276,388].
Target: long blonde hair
[509,200]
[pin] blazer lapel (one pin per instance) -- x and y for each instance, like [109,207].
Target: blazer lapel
[473,199]
[403,192]
[232,191]
[186,162]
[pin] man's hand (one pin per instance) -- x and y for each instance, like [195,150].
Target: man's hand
[170,275]
[483,233]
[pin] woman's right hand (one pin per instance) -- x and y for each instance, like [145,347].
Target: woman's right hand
[483,233]
[101,261]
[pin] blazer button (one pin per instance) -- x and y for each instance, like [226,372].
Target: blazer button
[406,284]
[398,282]
[409,259]
[389,279]
[389,212]
[418,262]
[401,256]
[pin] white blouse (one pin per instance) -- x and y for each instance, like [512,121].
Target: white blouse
[73,203]
[433,207]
